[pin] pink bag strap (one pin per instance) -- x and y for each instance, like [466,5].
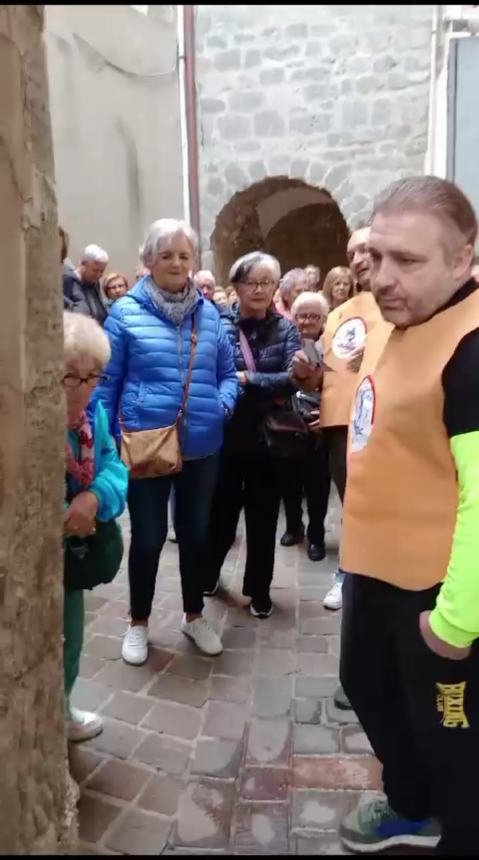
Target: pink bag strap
[247,354]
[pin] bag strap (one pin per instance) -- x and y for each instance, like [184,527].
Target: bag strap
[247,353]
[186,393]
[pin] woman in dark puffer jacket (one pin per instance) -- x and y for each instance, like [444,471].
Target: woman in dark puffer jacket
[248,474]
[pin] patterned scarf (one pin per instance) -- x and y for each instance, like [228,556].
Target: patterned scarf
[83,469]
[174,306]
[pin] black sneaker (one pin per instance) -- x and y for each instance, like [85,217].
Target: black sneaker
[261,608]
[292,538]
[316,551]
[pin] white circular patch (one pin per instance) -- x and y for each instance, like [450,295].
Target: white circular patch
[363,418]
[350,335]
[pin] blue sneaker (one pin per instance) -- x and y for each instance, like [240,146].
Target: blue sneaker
[374,826]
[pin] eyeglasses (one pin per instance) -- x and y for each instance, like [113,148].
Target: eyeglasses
[264,284]
[309,316]
[94,379]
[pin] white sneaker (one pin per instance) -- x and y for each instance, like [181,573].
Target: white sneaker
[334,597]
[134,649]
[82,726]
[203,635]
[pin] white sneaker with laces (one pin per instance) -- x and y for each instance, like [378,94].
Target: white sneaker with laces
[134,649]
[334,597]
[203,635]
[82,725]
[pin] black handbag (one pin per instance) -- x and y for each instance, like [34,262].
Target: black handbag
[93,560]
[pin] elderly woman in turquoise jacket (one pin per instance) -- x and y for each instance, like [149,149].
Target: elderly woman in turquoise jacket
[96,485]
[150,331]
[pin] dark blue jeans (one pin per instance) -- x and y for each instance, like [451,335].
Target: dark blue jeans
[148,506]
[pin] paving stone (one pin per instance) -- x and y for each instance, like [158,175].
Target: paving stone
[320,626]
[111,591]
[313,644]
[336,772]
[116,609]
[118,779]
[313,609]
[90,695]
[277,638]
[320,810]
[139,833]
[224,720]
[220,758]
[241,617]
[162,794]
[89,666]
[261,828]
[190,666]
[128,707]
[109,626]
[328,844]
[334,644]
[272,697]
[180,721]
[158,659]
[310,687]
[265,783]
[93,603]
[182,690]
[318,664]
[108,647]
[230,689]
[239,638]
[172,601]
[117,738]
[83,761]
[204,815]
[275,661]
[308,711]
[336,715]
[235,663]
[354,740]
[120,676]
[269,742]
[315,740]
[164,753]
[95,816]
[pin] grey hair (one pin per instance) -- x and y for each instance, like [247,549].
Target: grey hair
[82,337]
[95,254]
[243,266]
[310,298]
[159,232]
[202,272]
[289,279]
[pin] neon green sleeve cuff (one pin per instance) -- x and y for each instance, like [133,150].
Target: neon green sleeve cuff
[456,616]
[447,632]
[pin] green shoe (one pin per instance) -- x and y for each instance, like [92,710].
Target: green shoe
[374,826]
[341,700]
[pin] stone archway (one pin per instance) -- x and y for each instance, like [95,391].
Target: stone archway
[296,222]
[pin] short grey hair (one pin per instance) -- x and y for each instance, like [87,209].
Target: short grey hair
[243,266]
[310,298]
[159,232]
[289,280]
[200,275]
[83,336]
[94,254]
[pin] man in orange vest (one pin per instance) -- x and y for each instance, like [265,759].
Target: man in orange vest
[409,647]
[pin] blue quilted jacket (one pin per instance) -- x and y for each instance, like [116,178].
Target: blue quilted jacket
[149,367]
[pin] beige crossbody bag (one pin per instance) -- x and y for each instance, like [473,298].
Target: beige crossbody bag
[156,453]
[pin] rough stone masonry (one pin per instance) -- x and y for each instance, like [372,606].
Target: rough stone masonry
[334,95]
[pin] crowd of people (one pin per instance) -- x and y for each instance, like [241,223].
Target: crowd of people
[220,400]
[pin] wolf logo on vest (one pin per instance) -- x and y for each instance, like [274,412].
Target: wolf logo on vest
[363,418]
[450,703]
[350,336]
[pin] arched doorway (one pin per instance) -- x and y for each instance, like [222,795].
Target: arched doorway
[296,222]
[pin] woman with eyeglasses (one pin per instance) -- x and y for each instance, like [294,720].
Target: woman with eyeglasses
[264,343]
[96,483]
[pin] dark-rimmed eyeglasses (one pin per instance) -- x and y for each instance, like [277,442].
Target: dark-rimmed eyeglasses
[70,380]
[305,316]
[265,284]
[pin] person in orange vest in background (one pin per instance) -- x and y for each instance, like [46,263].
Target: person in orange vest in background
[409,649]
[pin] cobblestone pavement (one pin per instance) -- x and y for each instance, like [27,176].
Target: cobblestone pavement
[242,753]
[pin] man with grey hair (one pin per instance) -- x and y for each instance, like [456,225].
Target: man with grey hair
[291,285]
[81,288]
[206,283]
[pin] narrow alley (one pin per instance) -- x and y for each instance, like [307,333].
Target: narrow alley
[242,753]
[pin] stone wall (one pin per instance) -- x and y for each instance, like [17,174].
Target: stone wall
[32,742]
[334,95]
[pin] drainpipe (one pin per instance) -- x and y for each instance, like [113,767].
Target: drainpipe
[183,119]
[189,52]
[430,161]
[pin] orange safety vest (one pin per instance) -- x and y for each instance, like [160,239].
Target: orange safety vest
[401,498]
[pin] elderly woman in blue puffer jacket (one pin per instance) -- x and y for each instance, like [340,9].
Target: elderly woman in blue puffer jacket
[150,331]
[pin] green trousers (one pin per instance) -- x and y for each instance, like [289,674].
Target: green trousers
[73,625]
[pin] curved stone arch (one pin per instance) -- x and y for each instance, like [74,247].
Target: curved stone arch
[298,222]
